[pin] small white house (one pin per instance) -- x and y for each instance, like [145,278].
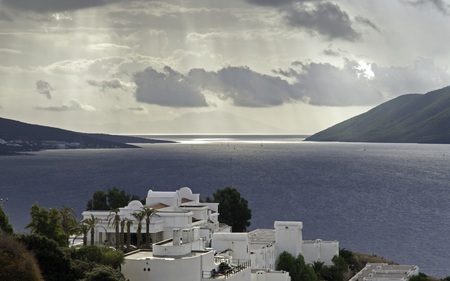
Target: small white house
[384,271]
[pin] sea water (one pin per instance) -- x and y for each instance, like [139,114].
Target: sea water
[390,200]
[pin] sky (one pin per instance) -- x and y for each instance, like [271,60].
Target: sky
[215,66]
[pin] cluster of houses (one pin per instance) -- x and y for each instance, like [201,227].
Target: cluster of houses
[189,243]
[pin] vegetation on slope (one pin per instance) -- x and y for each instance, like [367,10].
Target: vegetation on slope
[413,118]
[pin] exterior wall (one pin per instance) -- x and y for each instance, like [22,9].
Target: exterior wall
[163,269]
[319,250]
[236,242]
[263,275]
[263,258]
[288,237]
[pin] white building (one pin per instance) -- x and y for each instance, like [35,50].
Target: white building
[385,272]
[179,209]
[267,244]
[189,244]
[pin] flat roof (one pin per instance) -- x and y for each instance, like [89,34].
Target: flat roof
[148,255]
[384,271]
[262,236]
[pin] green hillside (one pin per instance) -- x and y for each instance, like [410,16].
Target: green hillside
[413,118]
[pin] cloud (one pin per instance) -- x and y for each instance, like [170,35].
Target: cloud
[73,105]
[10,51]
[274,3]
[105,85]
[4,16]
[167,88]
[367,22]
[440,5]
[324,18]
[44,88]
[244,87]
[325,84]
[45,6]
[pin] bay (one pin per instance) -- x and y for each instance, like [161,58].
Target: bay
[390,200]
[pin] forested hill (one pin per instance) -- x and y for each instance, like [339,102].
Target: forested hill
[412,118]
[36,135]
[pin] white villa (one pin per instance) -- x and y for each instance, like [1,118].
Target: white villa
[188,243]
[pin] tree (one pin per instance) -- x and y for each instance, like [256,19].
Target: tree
[112,199]
[91,223]
[129,223]
[139,216]
[104,273]
[233,209]
[68,222]
[47,223]
[54,264]
[98,202]
[5,226]
[298,270]
[16,262]
[148,214]
[115,219]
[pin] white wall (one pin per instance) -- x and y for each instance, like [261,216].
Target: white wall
[237,242]
[263,257]
[270,276]
[288,237]
[318,250]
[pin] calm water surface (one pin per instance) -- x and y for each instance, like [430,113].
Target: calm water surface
[391,200]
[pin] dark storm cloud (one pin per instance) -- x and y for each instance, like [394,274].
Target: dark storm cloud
[243,86]
[167,88]
[324,18]
[44,88]
[105,85]
[44,6]
[325,84]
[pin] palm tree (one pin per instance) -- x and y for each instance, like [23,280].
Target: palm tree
[114,219]
[68,221]
[129,223]
[148,214]
[81,229]
[139,216]
[91,223]
[122,232]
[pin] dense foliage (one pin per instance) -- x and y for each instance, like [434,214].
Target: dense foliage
[16,262]
[233,209]
[5,225]
[112,199]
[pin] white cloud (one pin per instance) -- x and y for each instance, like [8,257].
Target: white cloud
[72,105]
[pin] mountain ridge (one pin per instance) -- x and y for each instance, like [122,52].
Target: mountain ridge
[35,135]
[410,118]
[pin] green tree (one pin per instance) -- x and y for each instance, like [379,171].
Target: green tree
[114,219]
[112,199]
[47,222]
[104,273]
[68,222]
[54,264]
[298,270]
[5,226]
[129,223]
[233,209]
[98,202]
[16,262]
[91,224]
[148,214]
[139,216]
